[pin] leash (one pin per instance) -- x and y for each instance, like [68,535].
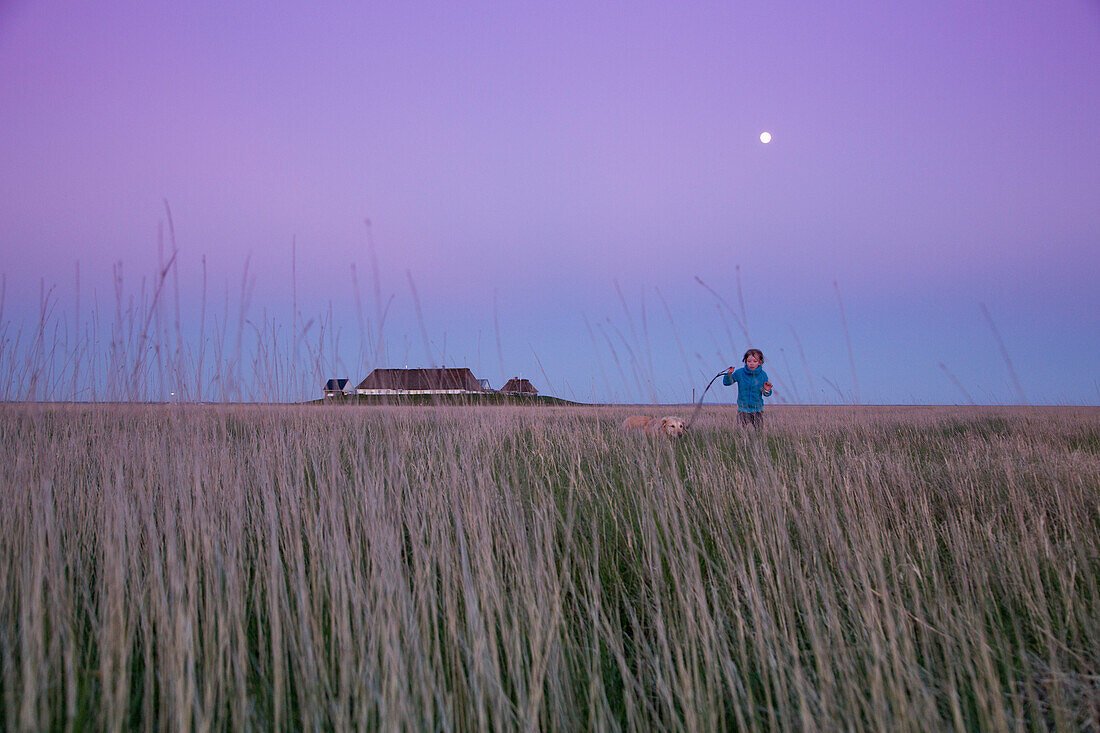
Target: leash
[699,406]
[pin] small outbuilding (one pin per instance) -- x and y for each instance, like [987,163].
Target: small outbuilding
[335,387]
[518,386]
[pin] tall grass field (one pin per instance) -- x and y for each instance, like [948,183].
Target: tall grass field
[499,568]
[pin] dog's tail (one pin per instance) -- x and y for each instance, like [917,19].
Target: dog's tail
[699,406]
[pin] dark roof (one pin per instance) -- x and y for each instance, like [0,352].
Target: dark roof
[444,378]
[335,385]
[515,385]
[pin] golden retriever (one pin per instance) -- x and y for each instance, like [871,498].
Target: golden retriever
[671,426]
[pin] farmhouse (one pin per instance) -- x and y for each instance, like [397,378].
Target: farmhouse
[518,386]
[420,381]
[335,387]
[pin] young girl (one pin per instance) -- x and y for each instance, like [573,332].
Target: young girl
[752,387]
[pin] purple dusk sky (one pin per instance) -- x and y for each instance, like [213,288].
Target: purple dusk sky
[528,162]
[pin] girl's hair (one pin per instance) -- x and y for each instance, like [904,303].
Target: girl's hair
[753,352]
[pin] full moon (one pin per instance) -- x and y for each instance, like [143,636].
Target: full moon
[765,137]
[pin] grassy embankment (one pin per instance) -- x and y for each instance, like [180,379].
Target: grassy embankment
[439,400]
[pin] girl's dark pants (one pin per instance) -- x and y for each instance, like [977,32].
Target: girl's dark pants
[756,419]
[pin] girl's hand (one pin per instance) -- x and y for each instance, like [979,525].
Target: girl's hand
[729,371]
[767,386]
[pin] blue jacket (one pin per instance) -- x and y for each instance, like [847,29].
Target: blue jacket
[750,388]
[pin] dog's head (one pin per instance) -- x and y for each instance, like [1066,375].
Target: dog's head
[673,426]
